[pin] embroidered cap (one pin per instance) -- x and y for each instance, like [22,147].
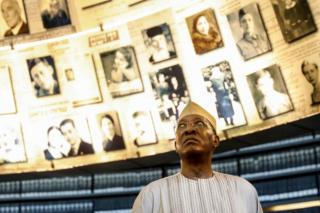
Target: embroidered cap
[193,108]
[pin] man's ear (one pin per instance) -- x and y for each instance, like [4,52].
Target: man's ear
[216,141]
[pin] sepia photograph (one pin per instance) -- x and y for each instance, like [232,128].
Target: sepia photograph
[121,71]
[81,82]
[269,92]
[110,131]
[159,43]
[294,18]
[144,131]
[54,13]
[43,76]
[170,91]
[12,148]
[204,31]
[65,137]
[310,70]
[221,86]
[249,32]
[8,105]
[13,19]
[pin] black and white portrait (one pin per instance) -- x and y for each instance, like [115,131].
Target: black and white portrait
[111,135]
[294,18]
[121,71]
[64,137]
[249,31]
[43,76]
[54,13]
[159,43]
[310,71]
[170,90]
[11,143]
[204,31]
[221,86]
[14,19]
[269,92]
[143,129]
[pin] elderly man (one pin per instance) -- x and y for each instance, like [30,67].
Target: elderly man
[197,188]
[159,46]
[42,75]
[252,42]
[11,13]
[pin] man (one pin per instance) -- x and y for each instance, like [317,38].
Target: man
[197,188]
[252,43]
[78,145]
[159,47]
[311,73]
[111,141]
[54,16]
[42,75]
[145,133]
[11,13]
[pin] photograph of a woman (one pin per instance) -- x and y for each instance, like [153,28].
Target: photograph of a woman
[58,147]
[204,31]
[121,71]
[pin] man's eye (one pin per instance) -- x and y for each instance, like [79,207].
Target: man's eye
[200,124]
[181,126]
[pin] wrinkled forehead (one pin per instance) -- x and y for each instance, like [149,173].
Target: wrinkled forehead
[192,117]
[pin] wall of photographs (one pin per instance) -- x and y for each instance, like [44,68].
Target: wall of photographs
[112,87]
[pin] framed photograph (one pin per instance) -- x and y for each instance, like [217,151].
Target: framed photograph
[294,18]
[121,71]
[111,134]
[43,76]
[54,13]
[8,105]
[62,137]
[143,128]
[269,92]
[249,31]
[81,85]
[12,148]
[170,91]
[204,31]
[13,19]
[222,88]
[159,43]
[309,68]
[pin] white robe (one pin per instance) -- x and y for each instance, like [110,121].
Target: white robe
[221,193]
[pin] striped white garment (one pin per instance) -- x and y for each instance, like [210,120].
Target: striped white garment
[221,193]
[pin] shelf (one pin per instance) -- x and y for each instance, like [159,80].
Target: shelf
[282,173]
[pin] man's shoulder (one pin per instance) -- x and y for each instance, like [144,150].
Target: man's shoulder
[159,184]
[237,181]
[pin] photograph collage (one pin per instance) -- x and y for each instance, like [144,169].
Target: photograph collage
[100,84]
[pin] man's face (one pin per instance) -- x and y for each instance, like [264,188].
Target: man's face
[42,76]
[202,25]
[247,23]
[194,134]
[311,73]
[54,6]
[10,12]
[70,133]
[107,128]
[158,42]
[139,122]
